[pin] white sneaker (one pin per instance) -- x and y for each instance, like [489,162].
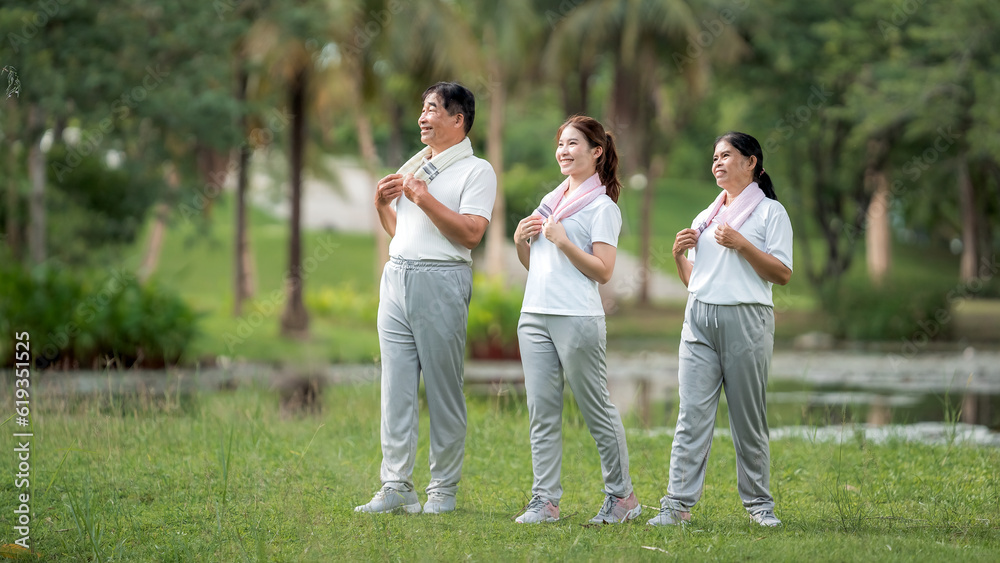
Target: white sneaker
[390,500]
[766,518]
[438,503]
[669,516]
[617,510]
[539,510]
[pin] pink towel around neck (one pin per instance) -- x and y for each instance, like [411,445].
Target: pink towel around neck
[737,211]
[558,207]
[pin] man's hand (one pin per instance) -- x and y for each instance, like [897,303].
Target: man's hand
[388,189]
[413,188]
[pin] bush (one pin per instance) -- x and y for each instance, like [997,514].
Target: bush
[343,302]
[76,323]
[493,315]
[898,309]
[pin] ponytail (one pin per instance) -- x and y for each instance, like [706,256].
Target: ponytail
[766,186]
[607,168]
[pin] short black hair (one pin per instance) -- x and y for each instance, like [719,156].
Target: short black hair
[456,99]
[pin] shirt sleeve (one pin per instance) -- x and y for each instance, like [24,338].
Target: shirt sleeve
[607,225]
[480,192]
[778,235]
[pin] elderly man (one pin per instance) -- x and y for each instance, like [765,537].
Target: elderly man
[447,201]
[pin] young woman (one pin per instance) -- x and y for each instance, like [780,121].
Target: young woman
[743,244]
[568,247]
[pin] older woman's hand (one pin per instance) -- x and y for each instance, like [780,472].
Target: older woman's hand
[729,237]
[686,239]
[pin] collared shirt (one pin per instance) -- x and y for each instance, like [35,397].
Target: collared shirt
[721,276]
[469,187]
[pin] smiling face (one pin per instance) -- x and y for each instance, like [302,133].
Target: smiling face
[731,169]
[575,155]
[438,130]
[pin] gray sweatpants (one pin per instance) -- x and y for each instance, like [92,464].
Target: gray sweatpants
[723,347]
[422,318]
[551,346]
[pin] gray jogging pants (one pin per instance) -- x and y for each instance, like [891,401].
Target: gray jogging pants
[551,346]
[422,319]
[723,347]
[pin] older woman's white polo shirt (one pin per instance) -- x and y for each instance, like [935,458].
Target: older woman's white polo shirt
[721,276]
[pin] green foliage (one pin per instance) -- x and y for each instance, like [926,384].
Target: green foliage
[523,191]
[898,309]
[493,315]
[344,303]
[75,321]
[96,206]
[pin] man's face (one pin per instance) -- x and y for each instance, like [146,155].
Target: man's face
[436,126]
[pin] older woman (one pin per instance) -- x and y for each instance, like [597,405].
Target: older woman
[737,248]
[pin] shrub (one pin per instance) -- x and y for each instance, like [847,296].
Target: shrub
[898,309]
[343,302]
[74,322]
[493,315]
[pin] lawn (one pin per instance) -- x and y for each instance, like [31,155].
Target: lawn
[224,477]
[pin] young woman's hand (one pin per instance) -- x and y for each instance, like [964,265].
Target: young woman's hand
[555,232]
[527,228]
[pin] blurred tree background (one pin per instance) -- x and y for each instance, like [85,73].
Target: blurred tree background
[128,235]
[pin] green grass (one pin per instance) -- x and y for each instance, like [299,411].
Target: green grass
[223,477]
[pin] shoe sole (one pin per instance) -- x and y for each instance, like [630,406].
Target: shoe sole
[437,511]
[678,522]
[547,519]
[407,508]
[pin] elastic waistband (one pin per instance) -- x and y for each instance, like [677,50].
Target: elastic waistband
[427,265]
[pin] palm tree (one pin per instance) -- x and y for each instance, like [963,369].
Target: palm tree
[654,87]
[511,33]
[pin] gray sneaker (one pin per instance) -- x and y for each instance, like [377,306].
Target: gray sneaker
[438,503]
[617,510]
[539,510]
[766,518]
[669,516]
[391,500]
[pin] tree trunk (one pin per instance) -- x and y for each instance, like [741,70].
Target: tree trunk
[496,232]
[13,227]
[295,319]
[645,226]
[36,171]
[243,287]
[152,257]
[369,156]
[396,155]
[969,266]
[878,235]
